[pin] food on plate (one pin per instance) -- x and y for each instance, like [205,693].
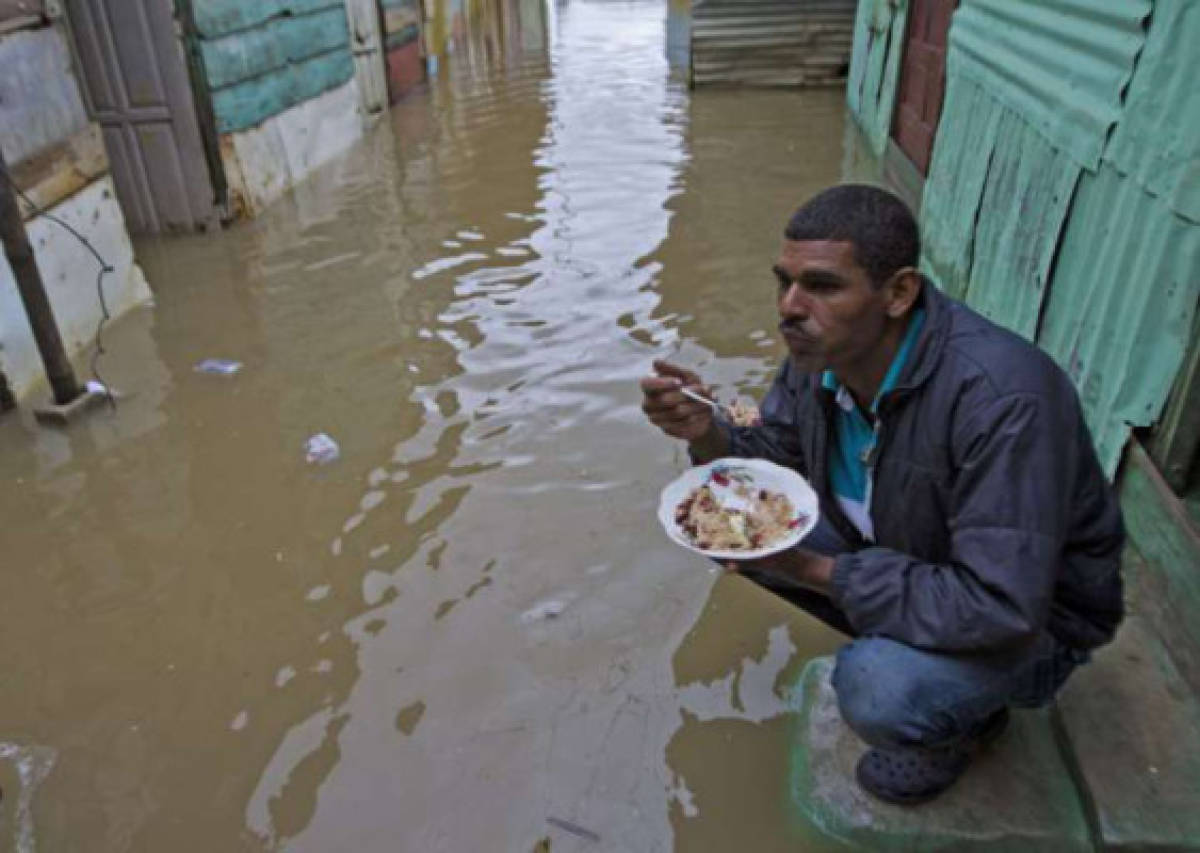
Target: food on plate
[751,519]
[743,414]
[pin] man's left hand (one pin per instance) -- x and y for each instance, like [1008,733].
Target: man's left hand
[799,565]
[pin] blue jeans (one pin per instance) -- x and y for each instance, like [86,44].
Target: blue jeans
[893,694]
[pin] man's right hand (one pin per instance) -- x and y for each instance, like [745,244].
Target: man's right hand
[675,414]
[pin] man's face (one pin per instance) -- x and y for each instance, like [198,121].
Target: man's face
[831,315]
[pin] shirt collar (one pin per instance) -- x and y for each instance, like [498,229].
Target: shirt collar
[830,382]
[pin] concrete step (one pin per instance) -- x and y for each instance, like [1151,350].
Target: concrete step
[1018,795]
[1133,723]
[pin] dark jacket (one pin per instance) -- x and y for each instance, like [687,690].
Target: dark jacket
[993,519]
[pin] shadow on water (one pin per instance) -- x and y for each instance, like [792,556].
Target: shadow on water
[469,623]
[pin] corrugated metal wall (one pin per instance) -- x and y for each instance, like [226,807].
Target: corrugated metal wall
[879,29]
[1064,191]
[262,56]
[772,42]
[1061,65]
[1127,282]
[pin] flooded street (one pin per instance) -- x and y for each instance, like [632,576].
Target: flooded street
[470,622]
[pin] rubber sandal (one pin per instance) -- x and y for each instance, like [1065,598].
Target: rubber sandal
[908,776]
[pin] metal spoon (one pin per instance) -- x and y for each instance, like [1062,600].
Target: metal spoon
[687,392]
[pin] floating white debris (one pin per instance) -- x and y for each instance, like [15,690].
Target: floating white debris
[239,722]
[551,608]
[318,592]
[221,366]
[321,449]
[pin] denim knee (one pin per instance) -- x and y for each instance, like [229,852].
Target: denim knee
[880,695]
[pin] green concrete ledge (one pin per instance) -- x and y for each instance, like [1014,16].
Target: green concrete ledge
[1018,796]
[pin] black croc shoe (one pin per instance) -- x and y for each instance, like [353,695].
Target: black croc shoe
[907,776]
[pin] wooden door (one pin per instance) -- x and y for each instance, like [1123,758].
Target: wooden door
[137,88]
[922,79]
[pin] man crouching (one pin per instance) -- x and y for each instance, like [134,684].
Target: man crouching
[969,541]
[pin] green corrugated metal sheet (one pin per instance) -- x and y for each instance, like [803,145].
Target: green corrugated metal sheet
[1121,304]
[250,53]
[249,103]
[1025,199]
[215,18]
[993,207]
[1021,179]
[879,30]
[954,187]
[1158,139]
[1060,64]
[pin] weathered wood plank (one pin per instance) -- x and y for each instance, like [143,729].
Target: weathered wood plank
[215,18]
[249,103]
[60,171]
[251,53]
[1161,529]
[1177,437]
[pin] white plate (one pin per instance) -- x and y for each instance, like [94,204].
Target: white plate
[762,475]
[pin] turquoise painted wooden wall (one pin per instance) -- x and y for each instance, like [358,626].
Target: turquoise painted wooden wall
[260,57]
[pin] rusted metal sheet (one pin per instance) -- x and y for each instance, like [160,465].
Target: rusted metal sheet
[1121,304]
[771,43]
[1060,64]
[879,29]
[922,79]
[1156,141]
[401,38]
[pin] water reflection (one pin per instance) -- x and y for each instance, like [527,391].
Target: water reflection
[469,623]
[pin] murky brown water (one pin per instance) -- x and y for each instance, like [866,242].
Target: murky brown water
[470,622]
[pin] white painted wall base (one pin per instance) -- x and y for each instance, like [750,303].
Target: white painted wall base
[69,272]
[264,162]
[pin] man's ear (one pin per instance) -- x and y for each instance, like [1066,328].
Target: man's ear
[902,291]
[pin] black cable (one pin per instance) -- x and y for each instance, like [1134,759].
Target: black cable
[105,268]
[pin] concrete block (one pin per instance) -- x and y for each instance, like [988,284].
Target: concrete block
[1018,795]
[68,413]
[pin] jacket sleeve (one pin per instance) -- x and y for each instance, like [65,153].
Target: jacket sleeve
[777,438]
[1007,521]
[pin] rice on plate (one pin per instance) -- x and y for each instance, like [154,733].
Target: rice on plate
[738,509]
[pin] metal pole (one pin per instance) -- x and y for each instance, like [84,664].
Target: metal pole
[33,294]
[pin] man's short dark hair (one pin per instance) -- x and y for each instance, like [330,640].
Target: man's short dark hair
[876,222]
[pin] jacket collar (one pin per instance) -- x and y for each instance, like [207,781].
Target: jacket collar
[930,345]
